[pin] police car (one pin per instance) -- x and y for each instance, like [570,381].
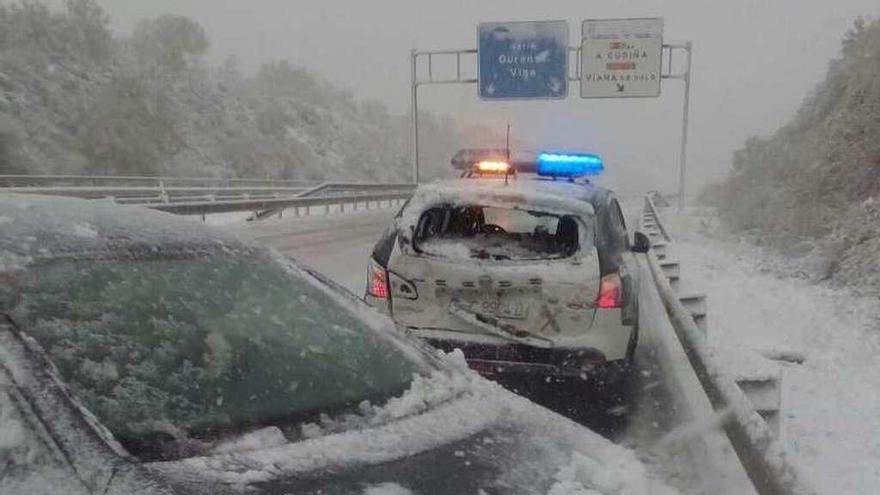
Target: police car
[524,265]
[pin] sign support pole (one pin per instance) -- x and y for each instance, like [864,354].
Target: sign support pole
[682,167]
[415,117]
[685,76]
[431,79]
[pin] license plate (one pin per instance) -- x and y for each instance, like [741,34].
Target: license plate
[511,309]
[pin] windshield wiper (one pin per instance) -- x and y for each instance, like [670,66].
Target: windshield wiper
[495,327]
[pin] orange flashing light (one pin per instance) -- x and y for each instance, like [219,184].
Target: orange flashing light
[490,166]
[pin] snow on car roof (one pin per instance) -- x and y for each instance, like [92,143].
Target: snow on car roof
[526,184]
[552,196]
[45,226]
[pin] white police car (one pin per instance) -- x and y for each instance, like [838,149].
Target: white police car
[531,275]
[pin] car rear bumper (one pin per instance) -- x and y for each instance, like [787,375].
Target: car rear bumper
[601,330]
[558,365]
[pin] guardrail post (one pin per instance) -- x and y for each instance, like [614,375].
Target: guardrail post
[695,304]
[672,271]
[659,249]
[765,394]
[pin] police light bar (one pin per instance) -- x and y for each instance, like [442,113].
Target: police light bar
[569,165]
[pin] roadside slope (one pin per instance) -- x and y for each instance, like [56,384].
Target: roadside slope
[830,403]
[812,189]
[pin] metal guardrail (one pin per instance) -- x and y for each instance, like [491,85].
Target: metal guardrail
[132,194]
[15,180]
[378,192]
[275,205]
[756,447]
[203,196]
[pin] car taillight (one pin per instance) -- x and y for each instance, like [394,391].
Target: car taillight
[610,292]
[377,281]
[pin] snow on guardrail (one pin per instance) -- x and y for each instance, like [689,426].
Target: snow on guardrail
[203,196]
[21,180]
[757,448]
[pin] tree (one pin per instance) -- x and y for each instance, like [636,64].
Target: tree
[171,41]
[88,23]
[132,127]
[10,147]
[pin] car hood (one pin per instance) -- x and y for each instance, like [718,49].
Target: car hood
[452,432]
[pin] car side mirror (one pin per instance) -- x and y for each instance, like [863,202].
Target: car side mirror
[641,243]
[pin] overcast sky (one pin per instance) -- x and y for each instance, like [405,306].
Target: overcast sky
[755,60]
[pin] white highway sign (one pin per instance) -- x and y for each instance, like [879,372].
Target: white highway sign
[621,57]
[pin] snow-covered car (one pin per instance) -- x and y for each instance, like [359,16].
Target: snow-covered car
[142,353]
[533,277]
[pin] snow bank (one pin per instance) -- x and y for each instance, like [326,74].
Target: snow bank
[759,307]
[387,489]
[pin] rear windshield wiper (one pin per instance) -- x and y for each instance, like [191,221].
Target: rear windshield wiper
[495,327]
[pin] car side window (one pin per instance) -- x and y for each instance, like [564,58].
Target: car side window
[383,248]
[618,225]
[614,240]
[27,463]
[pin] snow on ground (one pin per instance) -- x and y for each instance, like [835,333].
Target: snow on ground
[831,402]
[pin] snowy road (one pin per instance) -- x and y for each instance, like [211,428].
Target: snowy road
[337,245]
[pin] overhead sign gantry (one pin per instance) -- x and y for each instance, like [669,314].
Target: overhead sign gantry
[617,58]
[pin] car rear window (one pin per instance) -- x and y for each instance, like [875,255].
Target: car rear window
[497,233]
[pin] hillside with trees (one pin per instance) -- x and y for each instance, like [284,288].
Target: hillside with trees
[812,189]
[75,99]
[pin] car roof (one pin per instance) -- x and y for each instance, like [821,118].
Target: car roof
[46,226]
[530,186]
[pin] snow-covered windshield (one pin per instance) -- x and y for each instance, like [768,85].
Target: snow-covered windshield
[171,352]
[489,232]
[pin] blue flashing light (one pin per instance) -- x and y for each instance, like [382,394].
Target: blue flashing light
[569,165]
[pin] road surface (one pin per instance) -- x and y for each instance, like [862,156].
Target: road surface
[338,245]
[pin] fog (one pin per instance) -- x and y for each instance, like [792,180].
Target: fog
[754,61]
